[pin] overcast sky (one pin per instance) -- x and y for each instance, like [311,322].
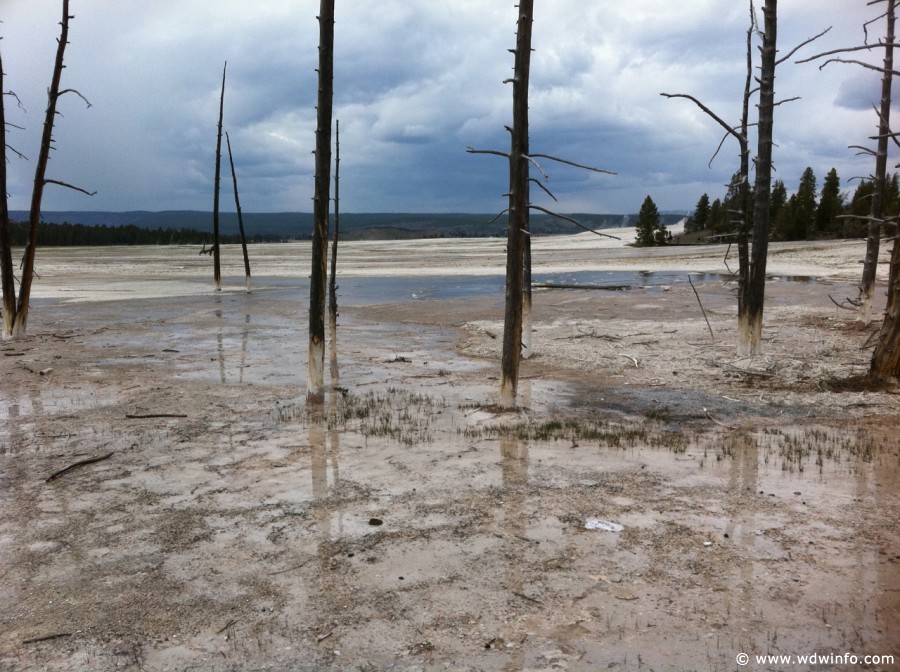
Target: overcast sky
[416,82]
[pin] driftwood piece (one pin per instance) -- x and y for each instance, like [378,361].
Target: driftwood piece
[80,463]
[144,416]
[45,638]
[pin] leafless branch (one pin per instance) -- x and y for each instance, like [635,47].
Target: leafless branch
[547,191]
[70,186]
[702,309]
[531,160]
[787,100]
[80,463]
[800,46]
[77,93]
[499,215]
[472,150]
[863,150]
[845,50]
[577,165]
[569,219]
[18,102]
[853,303]
[895,73]
[728,128]
[17,152]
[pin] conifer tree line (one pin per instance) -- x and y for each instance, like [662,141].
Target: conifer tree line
[52,234]
[807,213]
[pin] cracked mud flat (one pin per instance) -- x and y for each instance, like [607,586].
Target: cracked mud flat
[232,529]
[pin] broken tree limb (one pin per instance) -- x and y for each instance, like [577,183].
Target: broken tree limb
[569,219]
[720,424]
[700,303]
[144,416]
[572,163]
[46,638]
[80,463]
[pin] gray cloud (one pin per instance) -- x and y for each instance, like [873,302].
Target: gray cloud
[416,81]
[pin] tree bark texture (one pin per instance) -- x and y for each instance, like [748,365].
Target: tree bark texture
[6,265]
[873,239]
[34,216]
[527,343]
[315,390]
[332,280]
[240,217]
[743,224]
[886,358]
[217,267]
[518,210]
[750,324]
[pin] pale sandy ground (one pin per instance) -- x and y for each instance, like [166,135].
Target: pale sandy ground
[230,529]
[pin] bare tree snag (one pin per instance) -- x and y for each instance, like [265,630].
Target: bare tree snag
[6,265]
[873,237]
[217,268]
[886,357]
[750,324]
[527,342]
[743,176]
[332,280]
[53,94]
[240,217]
[870,265]
[315,382]
[518,210]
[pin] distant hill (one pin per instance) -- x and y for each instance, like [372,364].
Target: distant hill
[294,225]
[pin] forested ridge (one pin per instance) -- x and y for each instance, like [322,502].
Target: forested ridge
[192,227]
[57,235]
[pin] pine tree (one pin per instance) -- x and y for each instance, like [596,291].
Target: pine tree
[804,211]
[648,225]
[861,202]
[717,216]
[784,223]
[891,202]
[779,198]
[700,219]
[830,206]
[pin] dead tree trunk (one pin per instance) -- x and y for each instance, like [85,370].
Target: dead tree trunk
[886,358]
[743,189]
[240,217]
[217,268]
[315,390]
[34,216]
[750,324]
[743,218]
[870,265]
[518,210]
[332,280]
[527,343]
[6,265]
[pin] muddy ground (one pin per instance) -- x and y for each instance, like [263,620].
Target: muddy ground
[656,502]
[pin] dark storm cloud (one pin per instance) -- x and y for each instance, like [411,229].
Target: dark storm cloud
[416,82]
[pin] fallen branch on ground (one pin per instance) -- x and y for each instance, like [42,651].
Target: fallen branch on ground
[81,463]
[45,638]
[633,359]
[702,309]
[291,569]
[144,416]
[720,424]
[853,304]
